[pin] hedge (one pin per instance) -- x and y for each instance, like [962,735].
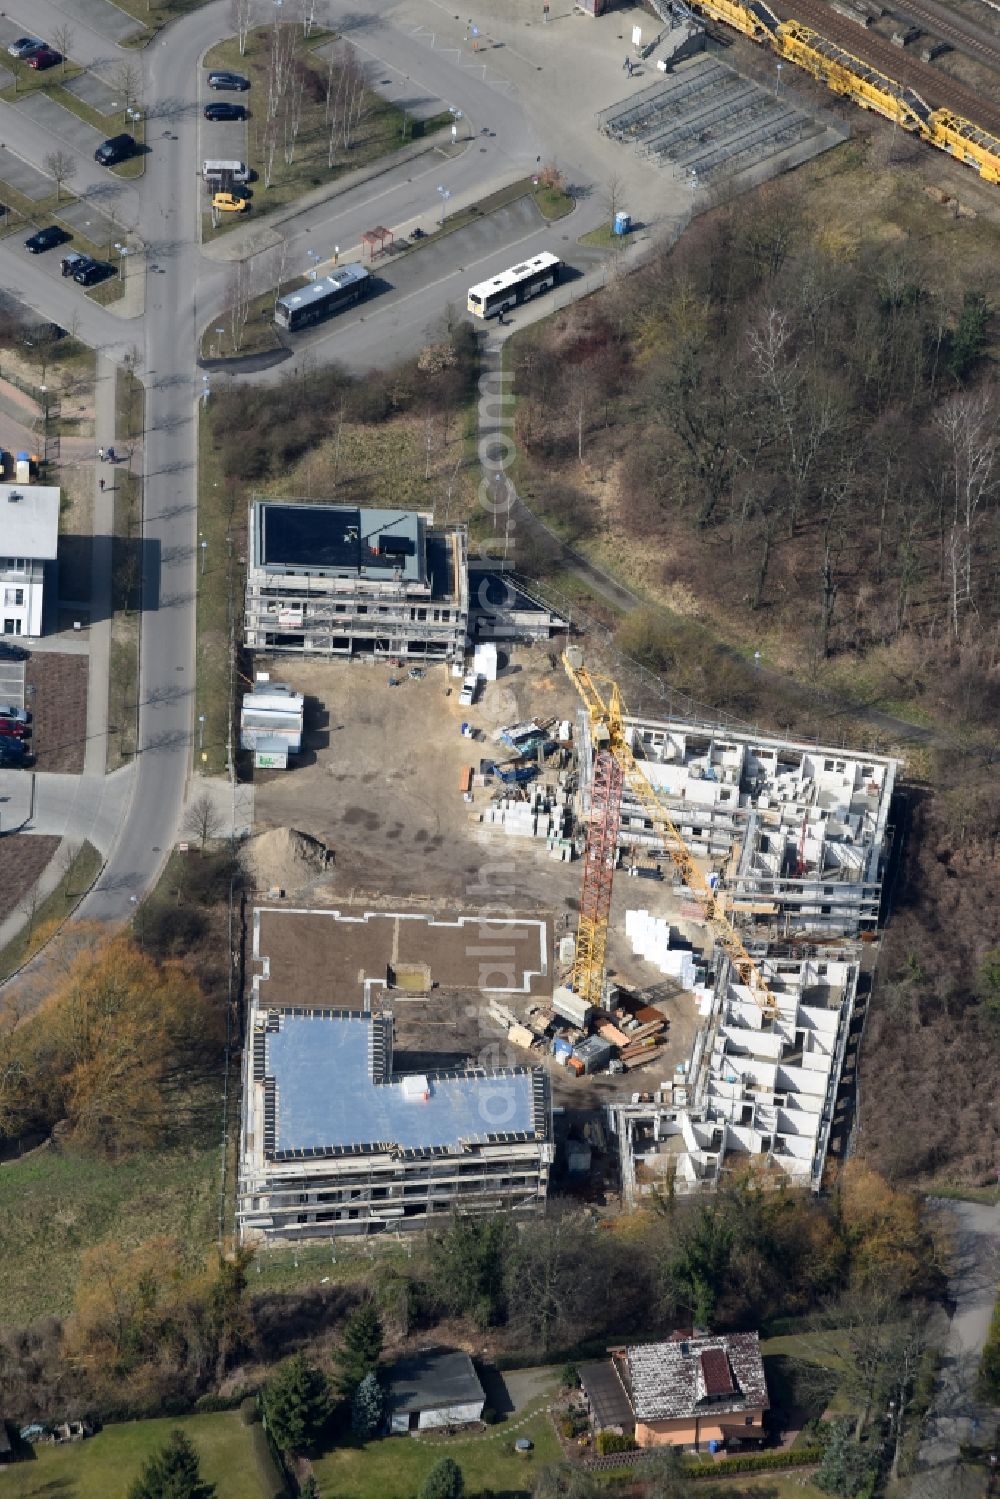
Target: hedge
[760,1462]
[273,1484]
[614,1441]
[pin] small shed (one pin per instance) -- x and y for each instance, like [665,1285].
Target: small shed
[434,1389]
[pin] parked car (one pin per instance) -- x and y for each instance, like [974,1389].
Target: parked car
[73,262]
[11,729]
[116,148]
[228,80]
[25,45]
[47,239]
[10,652]
[44,57]
[10,710]
[224,112]
[13,754]
[96,271]
[229,203]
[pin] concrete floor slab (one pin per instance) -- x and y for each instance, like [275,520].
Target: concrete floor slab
[22,176]
[61,122]
[94,91]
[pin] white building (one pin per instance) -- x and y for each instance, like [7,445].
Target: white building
[754,1088]
[29,535]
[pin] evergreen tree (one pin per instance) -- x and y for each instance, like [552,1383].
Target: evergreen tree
[172,1473]
[296,1405]
[846,1466]
[310,1489]
[444,1481]
[362,1346]
[368,1407]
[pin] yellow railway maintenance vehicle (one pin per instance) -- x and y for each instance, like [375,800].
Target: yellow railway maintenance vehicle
[854,79]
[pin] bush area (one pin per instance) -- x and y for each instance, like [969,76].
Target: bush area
[781,435]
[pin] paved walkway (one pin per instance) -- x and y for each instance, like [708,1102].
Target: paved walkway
[96,754]
[955,1416]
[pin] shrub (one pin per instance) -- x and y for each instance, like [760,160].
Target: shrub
[615,1441]
[249,1410]
[569,1376]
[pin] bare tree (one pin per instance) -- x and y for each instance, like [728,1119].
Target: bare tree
[63,39]
[202,819]
[239,285]
[292,116]
[970,476]
[127,84]
[612,196]
[241,14]
[279,66]
[61,166]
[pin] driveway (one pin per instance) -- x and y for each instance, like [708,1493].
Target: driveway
[955,1416]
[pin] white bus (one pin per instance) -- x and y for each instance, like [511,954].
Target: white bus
[538,274]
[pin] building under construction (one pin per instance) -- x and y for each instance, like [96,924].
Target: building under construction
[755,1087]
[796,835]
[334,1141]
[339,580]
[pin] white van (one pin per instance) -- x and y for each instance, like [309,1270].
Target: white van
[218,171]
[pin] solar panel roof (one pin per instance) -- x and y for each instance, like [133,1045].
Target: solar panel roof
[328,1099]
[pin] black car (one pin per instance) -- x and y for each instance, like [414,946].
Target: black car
[47,239]
[9,652]
[13,753]
[118,148]
[95,271]
[228,80]
[224,112]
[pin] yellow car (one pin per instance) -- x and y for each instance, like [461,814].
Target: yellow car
[229,203]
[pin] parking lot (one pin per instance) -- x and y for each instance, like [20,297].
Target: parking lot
[11,681]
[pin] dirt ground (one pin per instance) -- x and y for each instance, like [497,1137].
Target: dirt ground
[22,859]
[378,784]
[57,698]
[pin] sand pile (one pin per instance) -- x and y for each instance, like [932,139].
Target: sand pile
[285,859]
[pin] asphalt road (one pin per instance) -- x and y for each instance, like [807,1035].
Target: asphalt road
[511,125]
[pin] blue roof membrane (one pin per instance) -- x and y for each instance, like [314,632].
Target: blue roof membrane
[327,1099]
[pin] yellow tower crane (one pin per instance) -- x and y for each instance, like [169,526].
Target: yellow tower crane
[602,699]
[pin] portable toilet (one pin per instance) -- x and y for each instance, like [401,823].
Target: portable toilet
[623,223]
[22,473]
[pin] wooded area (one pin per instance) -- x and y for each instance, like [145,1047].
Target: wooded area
[782,435]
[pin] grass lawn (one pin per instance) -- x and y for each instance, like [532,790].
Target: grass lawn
[763,1486]
[219,577]
[395,1467]
[53,1207]
[379,132]
[105,1466]
[67,895]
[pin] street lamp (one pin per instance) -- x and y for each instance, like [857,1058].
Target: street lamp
[336,254]
[445,195]
[123,252]
[204,550]
[777,84]
[205,389]
[45,420]
[201,726]
[315,257]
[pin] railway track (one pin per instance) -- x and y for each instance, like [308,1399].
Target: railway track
[939,91]
[964,35]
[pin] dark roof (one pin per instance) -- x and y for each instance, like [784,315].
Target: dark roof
[675,1380]
[716,1375]
[340,539]
[608,1400]
[432,1381]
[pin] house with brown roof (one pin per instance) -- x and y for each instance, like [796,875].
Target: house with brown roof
[688,1391]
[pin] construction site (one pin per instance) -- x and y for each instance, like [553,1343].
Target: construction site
[659,927]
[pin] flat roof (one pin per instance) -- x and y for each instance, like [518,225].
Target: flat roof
[340,539]
[330,1096]
[606,1393]
[29,521]
[434,1381]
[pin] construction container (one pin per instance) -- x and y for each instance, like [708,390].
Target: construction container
[571,1007]
[465,780]
[594,1053]
[575,1065]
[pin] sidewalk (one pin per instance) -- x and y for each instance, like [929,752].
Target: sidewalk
[95,758]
